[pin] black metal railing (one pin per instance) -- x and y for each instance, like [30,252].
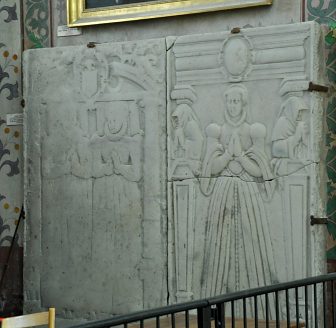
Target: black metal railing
[307,303]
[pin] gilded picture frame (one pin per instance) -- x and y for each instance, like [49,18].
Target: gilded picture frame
[80,15]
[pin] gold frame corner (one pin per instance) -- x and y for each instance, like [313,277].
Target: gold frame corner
[77,15]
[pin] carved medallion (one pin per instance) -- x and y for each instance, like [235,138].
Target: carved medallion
[236,57]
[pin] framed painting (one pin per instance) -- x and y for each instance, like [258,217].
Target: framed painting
[92,12]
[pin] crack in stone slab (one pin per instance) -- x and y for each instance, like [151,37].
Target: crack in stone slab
[245,180]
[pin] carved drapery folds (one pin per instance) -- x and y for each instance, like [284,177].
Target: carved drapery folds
[99,138]
[250,198]
[210,187]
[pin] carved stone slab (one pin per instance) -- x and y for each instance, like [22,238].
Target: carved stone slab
[245,160]
[95,179]
[236,150]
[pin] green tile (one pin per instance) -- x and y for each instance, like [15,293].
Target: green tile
[331,254]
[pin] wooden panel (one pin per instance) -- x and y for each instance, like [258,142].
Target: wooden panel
[12,288]
[28,320]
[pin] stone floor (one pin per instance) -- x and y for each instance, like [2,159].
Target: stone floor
[165,322]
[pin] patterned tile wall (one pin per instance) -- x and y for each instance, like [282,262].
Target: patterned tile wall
[36,23]
[324,12]
[10,136]
[10,151]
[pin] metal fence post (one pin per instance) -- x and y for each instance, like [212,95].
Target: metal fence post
[220,315]
[204,317]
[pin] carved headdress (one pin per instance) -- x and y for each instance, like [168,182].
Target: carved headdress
[241,89]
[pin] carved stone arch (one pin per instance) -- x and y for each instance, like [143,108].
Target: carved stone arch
[133,75]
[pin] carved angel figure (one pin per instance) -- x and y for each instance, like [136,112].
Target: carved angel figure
[238,251]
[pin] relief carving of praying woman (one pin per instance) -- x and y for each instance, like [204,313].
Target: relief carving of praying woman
[118,142]
[188,137]
[238,248]
[290,138]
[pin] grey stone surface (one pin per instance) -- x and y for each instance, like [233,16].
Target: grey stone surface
[245,159]
[95,179]
[235,150]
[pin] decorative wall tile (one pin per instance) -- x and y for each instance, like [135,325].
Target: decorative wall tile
[61,11]
[10,96]
[10,151]
[36,24]
[322,11]
[9,70]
